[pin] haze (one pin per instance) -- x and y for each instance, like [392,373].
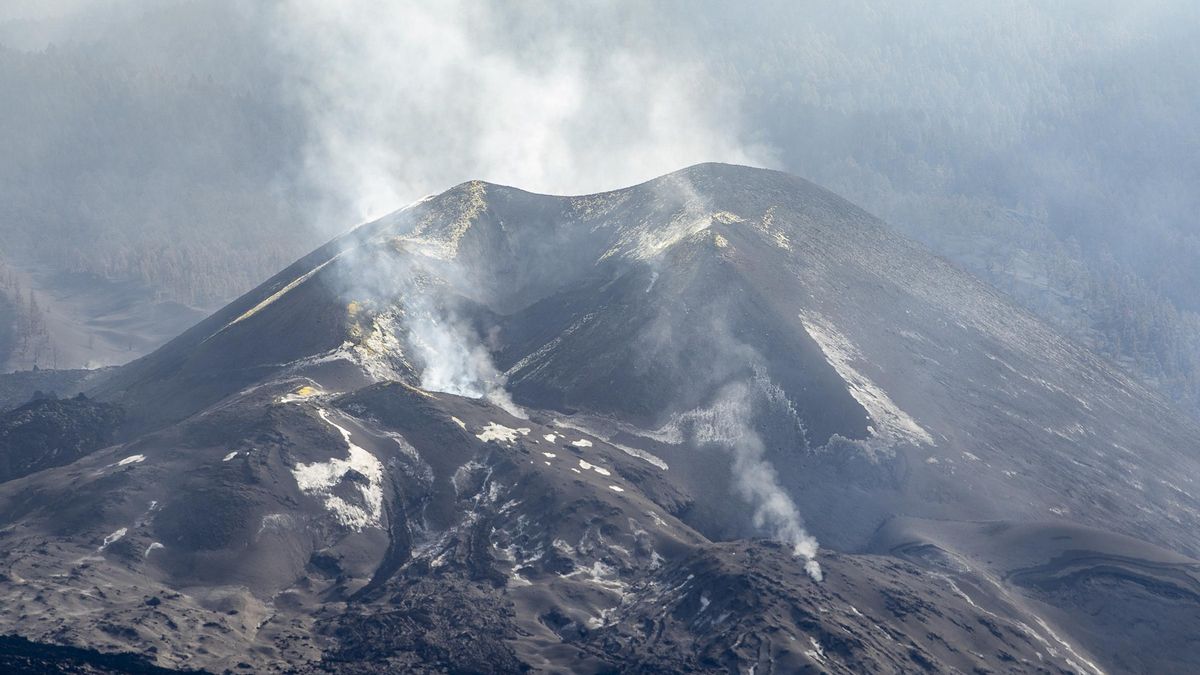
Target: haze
[181,152]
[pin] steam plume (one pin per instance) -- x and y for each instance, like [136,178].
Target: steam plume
[727,422]
[404,99]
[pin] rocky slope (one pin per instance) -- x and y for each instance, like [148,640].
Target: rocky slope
[48,432]
[499,431]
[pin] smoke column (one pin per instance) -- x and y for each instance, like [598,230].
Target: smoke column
[406,99]
[727,423]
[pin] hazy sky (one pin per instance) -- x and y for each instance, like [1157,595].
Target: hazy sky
[1046,107]
[407,98]
[39,9]
[1038,105]
[271,125]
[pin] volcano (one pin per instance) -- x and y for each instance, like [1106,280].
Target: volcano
[722,421]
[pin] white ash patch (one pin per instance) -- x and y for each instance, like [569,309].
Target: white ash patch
[132,459]
[533,358]
[587,466]
[550,438]
[653,280]
[380,353]
[464,473]
[640,454]
[550,455]
[605,617]
[113,538]
[494,490]
[515,580]
[645,243]
[277,522]
[894,424]
[151,548]
[497,432]
[148,515]
[343,352]
[230,456]
[602,575]
[817,653]
[319,478]
[632,452]
[776,234]
[406,448]
[459,422]
[582,443]
[275,296]
[616,488]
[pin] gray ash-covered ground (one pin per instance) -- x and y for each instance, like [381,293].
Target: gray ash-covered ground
[505,432]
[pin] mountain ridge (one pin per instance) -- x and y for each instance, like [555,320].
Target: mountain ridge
[551,411]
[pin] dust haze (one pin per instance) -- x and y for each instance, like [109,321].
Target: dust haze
[405,99]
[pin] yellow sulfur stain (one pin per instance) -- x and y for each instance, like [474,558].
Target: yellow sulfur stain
[433,237]
[354,311]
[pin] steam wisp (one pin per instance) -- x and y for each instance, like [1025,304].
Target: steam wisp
[727,423]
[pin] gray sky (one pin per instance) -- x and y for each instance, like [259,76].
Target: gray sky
[1066,127]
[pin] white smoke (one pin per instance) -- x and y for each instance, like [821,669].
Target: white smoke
[727,423]
[454,359]
[403,99]
[425,331]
